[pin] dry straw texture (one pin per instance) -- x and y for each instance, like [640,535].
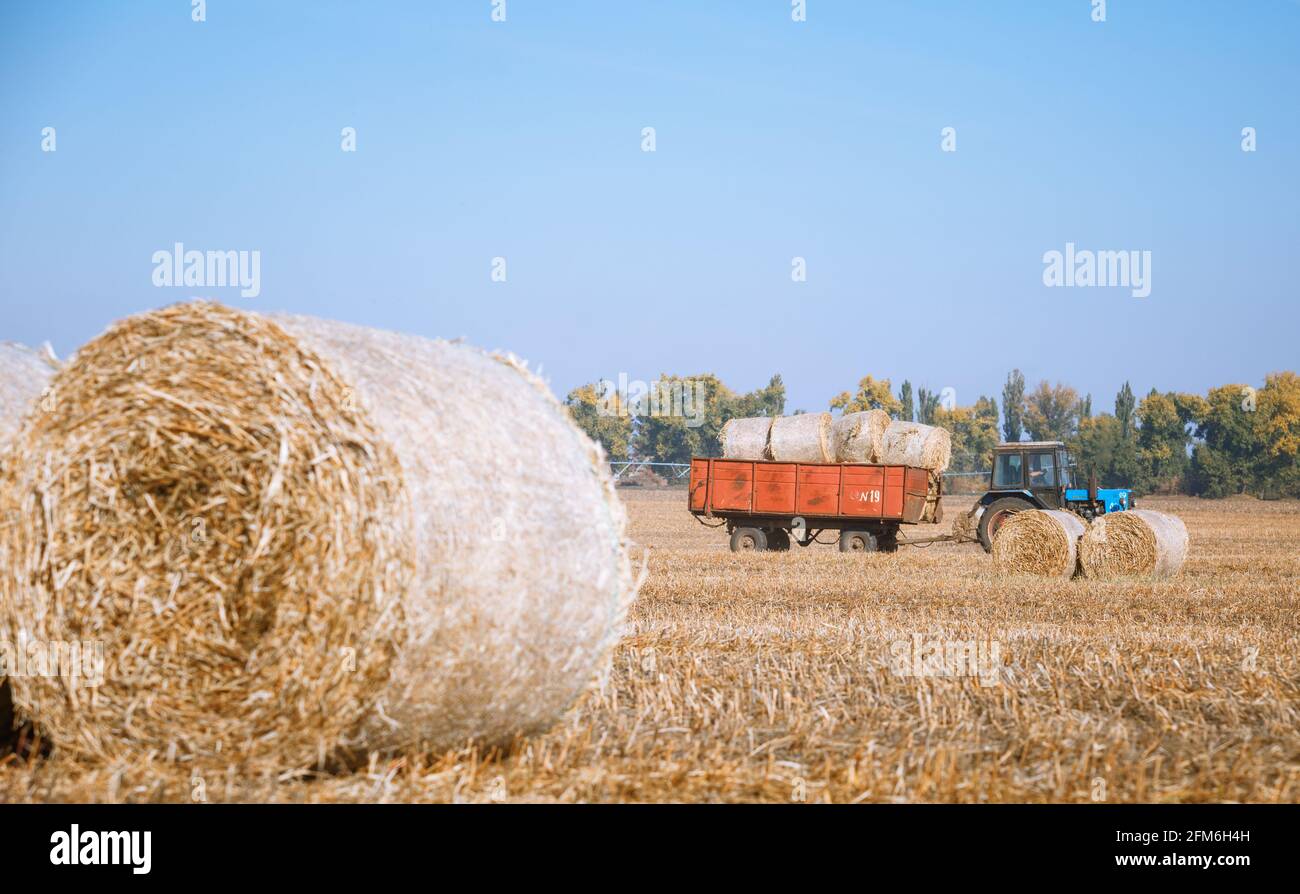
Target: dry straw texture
[913,444]
[1139,542]
[770,676]
[746,438]
[1037,541]
[805,438]
[859,437]
[270,532]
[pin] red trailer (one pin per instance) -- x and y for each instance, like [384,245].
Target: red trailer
[763,504]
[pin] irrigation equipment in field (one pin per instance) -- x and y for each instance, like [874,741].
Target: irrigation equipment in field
[629,467]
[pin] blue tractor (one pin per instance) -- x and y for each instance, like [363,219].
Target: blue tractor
[1040,475]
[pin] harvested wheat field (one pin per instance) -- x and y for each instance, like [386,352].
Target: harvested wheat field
[793,677]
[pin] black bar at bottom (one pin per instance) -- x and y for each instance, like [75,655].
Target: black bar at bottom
[297,843]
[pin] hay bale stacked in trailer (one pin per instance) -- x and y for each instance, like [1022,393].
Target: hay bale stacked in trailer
[914,444]
[1038,541]
[746,438]
[296,536]
[1138,542]
[805,438]
[859,437]
[921,446]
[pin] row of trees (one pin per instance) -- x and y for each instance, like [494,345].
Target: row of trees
[625,427]
[1235,439]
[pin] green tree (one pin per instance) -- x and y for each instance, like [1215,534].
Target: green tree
[1277,427]
[769,401]
[927,405]
[1124,469]
[974,433]
[907,411]
[1100,446]
[676,435]
[1013,406]
[1051,412]
[1125,406]
[872,394]
[1225,462]
[602,414]
[1249,440]
[1162,440]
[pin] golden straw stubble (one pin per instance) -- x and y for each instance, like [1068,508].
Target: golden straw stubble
[1037,541]
[204,504]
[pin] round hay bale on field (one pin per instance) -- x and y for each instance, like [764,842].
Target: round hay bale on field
[1038,541]
[913,444]
[1139,542]
[746,438]
[24,374]
[805,438]
[297,535]
[858,437]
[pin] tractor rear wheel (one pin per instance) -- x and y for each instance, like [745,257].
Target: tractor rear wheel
[744,540]
[995,515]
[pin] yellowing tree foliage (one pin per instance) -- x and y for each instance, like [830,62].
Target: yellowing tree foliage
[872,394]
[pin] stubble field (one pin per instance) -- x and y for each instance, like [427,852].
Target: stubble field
[776,677]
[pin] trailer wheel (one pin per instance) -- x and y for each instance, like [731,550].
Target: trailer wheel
[744,540]
[857,542]
[887,541]
[778,540]
[994,516]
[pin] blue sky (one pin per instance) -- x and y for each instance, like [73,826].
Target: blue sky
[774,139]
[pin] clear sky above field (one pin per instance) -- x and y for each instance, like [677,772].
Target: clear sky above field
[773,140]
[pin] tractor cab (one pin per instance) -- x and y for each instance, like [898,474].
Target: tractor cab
[1037,469]
[1040,475]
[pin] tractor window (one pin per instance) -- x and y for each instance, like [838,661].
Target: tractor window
[1006,472]
[1069,472]
[1042,470]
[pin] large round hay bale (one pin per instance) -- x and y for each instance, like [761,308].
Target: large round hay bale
[1038,541]
[298,535]
[805,438]
[913,444]
[746,438]
[24,375]
[1139,542]
[858,437]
